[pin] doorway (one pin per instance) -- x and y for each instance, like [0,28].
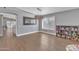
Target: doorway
[9,24]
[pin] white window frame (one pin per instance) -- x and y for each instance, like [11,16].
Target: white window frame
[49,18]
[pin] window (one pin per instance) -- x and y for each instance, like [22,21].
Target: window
[29,21]
[48,23]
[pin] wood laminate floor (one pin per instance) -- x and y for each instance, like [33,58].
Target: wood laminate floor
[33,42]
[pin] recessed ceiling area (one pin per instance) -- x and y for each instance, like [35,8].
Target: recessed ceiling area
[45,10]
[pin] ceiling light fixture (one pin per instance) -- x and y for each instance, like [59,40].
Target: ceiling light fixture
[39,9]
[4,7]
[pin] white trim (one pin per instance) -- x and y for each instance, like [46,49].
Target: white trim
[27,33]
[47,28]
[48,33]
[16,24]
[36,32]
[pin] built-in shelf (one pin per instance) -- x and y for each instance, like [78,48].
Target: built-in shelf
[68,32]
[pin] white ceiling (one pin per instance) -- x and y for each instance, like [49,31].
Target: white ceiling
[45,10]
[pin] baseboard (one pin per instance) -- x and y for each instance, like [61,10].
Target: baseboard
[36,32]
[27,33]
[48,33]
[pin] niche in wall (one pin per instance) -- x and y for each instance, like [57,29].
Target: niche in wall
[29,21]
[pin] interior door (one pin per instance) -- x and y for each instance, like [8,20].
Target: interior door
[1,25]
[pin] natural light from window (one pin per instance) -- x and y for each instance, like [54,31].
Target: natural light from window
[48,23]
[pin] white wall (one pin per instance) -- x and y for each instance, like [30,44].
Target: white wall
[68,18]
[22,29]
